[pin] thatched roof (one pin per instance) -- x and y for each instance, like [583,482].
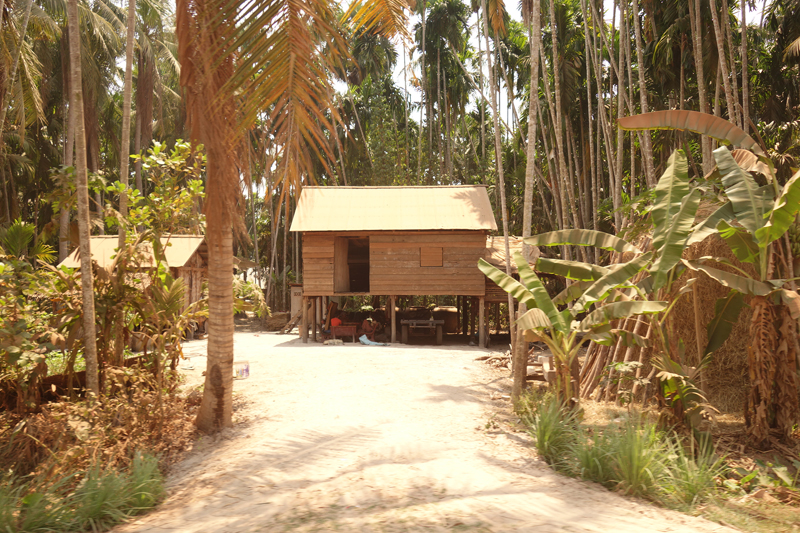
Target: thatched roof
[394,209]
[178,249]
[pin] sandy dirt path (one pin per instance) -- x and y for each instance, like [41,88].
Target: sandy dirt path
[357,438]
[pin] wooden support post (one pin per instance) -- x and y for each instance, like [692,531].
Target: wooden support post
[465,316]
[481,328]
[393,321]
[314,318]
[458,309]
[497,318]
[304,321]
[472,310]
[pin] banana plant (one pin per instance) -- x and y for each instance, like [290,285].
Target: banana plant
[560,330]
[675,206]
[752,223]
[762,215]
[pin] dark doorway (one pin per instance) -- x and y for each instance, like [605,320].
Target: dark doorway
[351,264]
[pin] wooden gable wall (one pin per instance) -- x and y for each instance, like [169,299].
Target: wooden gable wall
[402,263]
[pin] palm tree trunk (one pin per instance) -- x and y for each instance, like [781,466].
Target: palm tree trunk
[745,72]
[483,109]
[697,51]
[555,175]
[127,95]
[590,119]
[63,217]
[82,188]
[137,149]
[554,189]
[209,116]
[534,39]
[125,143]
[498,149]
[726,24]
[423,96]
[650,172]
[723,62]
[405,101]
[439,114]
[617,189]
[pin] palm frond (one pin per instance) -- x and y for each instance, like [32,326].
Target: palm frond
[386,17]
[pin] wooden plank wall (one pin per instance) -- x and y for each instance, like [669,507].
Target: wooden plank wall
[318,264]
[395,264]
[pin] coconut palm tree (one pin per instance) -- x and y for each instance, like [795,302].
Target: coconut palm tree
[281,69]
[82,186]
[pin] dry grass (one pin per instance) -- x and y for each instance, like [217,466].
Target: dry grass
[68,437]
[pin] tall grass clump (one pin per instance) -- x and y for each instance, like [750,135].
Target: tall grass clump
[638,456]
[594,458]
[690,474]
[101,499]
[552,426]
[634,457]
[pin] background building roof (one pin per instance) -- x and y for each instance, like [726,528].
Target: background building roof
[178,249]
[496,252]
[394,208]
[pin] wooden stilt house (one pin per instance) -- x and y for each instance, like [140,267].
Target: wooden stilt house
[393,241]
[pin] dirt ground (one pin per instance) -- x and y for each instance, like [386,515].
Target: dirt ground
[367,438]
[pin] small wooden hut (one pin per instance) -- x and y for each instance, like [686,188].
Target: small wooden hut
[393,241]
[186,256]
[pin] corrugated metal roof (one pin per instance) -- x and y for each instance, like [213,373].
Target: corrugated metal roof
[496,251]
[394,208]
[178,249]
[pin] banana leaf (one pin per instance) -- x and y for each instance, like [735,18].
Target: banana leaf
[734,281]
[748,161]
[715,127]
[672,242]
[607,336]
[709,225]
[603,286]
[582,237]
[539,293]
[726,313]
[740,242]
[507,283]
[572,292]
[791,300]
[746,196]
[575,270]
[672,188]
[605,314]
[783,212]
[534,319]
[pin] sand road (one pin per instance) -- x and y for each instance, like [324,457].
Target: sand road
[357,438]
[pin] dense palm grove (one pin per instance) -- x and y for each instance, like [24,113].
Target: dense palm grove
[439,126]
